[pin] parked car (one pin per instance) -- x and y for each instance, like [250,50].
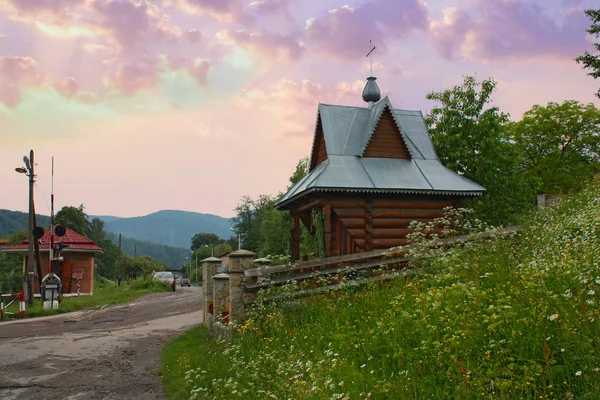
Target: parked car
[185,282]
[164,276]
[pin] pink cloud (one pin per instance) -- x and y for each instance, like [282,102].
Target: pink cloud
[129,22]
[68,87]
[343,32]
[130,77]
[271,7]
[36,6]
[508,30]
[198,69]
[294,104]
[272,44]
[17,73]
[229,10]
[193,35]
[10,95]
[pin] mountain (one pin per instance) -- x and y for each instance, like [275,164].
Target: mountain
[169,227]
[105,218]
[174,257]
[12,221]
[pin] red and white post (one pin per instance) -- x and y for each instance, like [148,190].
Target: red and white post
[22,306]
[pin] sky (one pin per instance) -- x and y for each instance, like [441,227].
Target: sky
[192,104]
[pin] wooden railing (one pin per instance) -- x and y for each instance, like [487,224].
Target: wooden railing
[395,259]
[227,296]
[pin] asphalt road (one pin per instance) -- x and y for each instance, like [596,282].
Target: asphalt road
[112,353]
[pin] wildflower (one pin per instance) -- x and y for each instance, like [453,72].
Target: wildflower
[578,373]
[553,317]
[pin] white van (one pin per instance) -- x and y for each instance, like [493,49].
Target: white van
[164,276]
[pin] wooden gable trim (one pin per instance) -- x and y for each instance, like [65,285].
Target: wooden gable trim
[319,153]
[387,141]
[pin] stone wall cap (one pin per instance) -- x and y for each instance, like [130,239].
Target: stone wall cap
[211,259]
[221,276]
[241,253]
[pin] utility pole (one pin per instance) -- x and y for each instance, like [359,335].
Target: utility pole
[33,249]
[196,267]
[119,264]
[29,163]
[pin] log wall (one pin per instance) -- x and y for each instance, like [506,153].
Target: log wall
[359,225]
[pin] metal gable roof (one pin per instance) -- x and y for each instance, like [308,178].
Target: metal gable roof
[347,132]
[370,174]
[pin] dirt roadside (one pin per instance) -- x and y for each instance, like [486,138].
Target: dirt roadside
[111,353]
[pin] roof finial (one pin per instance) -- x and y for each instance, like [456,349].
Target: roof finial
[370,54]
[371,93]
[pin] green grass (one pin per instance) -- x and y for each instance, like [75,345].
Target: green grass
[505,319]
[183,353]
[106,293]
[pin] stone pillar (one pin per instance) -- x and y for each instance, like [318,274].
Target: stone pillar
[239,261]
[210,267]
[221,297]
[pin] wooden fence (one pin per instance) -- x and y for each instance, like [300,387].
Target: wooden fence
[227,296]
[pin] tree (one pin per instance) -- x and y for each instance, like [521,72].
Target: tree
[95,231]
[73,218]
[135,267]
[108,259]
[275,232]
[559,144]
[588,60]
[470,137]
[201,239]
[300,172]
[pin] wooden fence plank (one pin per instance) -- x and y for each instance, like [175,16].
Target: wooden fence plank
[315,274]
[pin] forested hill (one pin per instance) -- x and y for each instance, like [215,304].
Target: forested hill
[172,256]
[169,227]
[12,221]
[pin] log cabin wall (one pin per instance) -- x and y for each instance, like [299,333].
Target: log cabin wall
[362,224]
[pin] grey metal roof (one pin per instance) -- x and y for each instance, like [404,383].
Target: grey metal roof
[347,132]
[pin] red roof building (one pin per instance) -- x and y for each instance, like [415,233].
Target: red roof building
[78,266]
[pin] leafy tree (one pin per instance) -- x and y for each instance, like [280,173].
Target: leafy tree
[246,222]
[233,242]
[559,144]
[202,239]
[108,259]
[275,232]
[95,231]
[470,138]
[73,218]
[222,249]
[135,267]
[588,60]
[300,172]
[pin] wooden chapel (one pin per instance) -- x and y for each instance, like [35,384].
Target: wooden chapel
[372,171]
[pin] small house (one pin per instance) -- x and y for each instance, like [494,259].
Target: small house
[77,269]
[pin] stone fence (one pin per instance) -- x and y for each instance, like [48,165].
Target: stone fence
[224,298]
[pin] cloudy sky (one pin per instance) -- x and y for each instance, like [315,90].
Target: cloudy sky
[192,104]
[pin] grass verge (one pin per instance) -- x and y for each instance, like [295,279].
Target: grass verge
[505,319]
[182,354]
[106,293]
